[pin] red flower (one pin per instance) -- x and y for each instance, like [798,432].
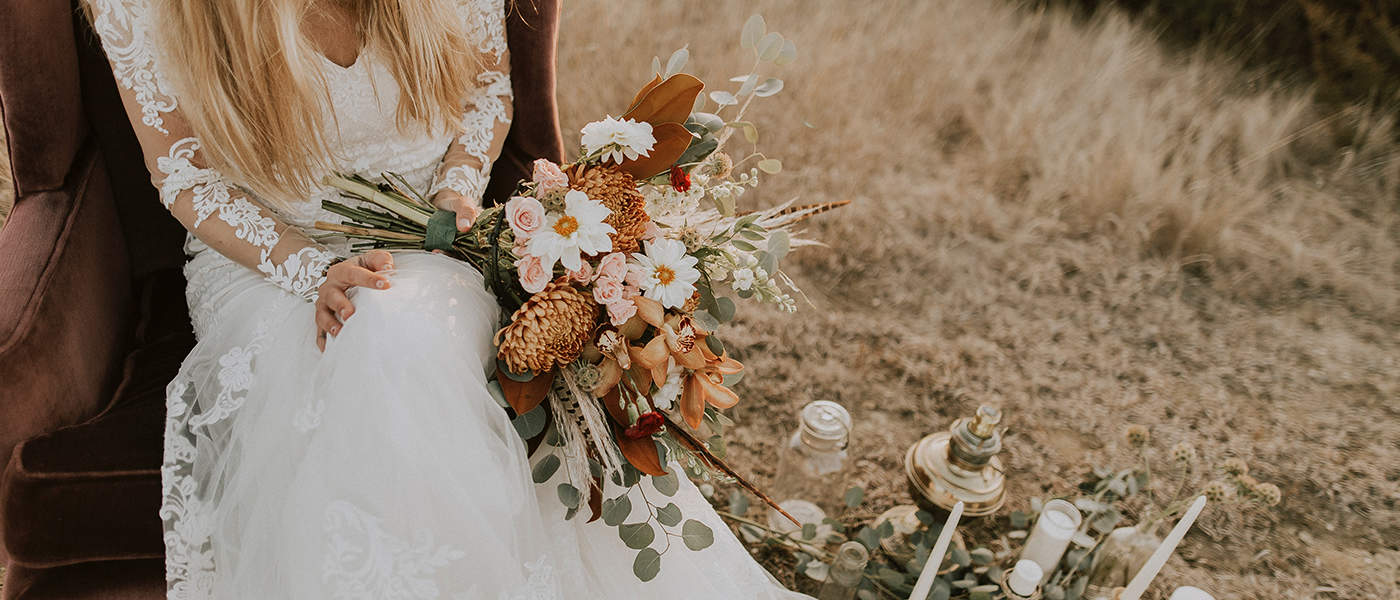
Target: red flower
[680,180]
[646,425]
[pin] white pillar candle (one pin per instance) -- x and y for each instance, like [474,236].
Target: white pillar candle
[1024,578]
[1048,540]
[935,557]
[1159,558]
[1190,593]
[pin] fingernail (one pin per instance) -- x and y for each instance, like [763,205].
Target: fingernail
[381,284]
[335,331]
[345,314]
[463,223]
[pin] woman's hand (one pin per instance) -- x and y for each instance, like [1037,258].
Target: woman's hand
[467,209]
[333,305]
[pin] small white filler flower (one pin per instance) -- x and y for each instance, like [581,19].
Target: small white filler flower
[618,139]
[666,272]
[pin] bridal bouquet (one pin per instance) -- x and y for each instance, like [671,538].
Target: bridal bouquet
[617,270]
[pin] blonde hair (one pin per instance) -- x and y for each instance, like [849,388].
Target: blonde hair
[251,88]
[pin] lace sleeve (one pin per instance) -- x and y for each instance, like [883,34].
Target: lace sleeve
[467,163]
[216,211]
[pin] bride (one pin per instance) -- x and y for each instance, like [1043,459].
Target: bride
[331,435]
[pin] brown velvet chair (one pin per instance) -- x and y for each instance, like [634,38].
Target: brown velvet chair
[93,321]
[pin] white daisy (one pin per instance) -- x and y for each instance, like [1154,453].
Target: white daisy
[665,272]
[578,231]
[618,138]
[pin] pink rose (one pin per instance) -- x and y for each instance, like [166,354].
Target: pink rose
[584,274]
[635,275]
[607,291]
[526,216]
[613,266]
[548,178]
[521,247]
[533,275]
[652,232]
[631,291]
[621,312]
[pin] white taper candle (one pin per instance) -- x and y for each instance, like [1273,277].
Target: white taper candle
[935,557]
[1159,557]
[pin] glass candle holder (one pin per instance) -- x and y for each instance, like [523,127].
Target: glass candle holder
[1048,540]
[846,569]
[811,465]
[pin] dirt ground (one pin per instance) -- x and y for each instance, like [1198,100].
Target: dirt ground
[1060,219]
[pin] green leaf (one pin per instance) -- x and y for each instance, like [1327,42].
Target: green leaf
[750,132]
[924,517]
[854,496]
[666,484]
[770,46]
[982,592]
[743,245]
[616,510]
[770,165]
[731,379]
[770,86]
[669,515]
[941,590]
[750,82]
[869,538]
[716,445]
[677,61]
[497,393]
[964,584]
[982,556]
[723,98]
[697,535]
[531,423]
[1020,520]
[961,558]
[1076,589]
[754,28]
[710,122]
[545,468]
[502,368]
[885,529]
[716,346]
[647,564]
[779,243]
[636,535]
[569,495]
[738,503]
[630,475]
[809,531]
[705,320]
[699,149]
[724,309]
[891,577]
[787,54]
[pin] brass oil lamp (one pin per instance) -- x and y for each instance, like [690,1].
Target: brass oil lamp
[960,464]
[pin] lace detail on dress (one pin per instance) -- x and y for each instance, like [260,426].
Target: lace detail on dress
[365,561]
[122,25]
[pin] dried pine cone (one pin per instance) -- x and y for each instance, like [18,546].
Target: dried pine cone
[617,190]
[549,330]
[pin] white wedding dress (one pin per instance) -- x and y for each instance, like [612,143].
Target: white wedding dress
[381,468]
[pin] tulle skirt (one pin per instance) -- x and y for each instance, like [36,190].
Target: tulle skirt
[382,468]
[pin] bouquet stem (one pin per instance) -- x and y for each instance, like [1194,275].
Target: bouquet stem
[699,446]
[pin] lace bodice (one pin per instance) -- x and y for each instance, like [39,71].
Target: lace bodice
[361,131]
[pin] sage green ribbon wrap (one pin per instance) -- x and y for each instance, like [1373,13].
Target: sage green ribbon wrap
[442,231]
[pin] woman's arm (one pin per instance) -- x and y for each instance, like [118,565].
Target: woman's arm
[462,176]
[220,214]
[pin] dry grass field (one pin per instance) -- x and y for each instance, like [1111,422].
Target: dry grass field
[1059,218]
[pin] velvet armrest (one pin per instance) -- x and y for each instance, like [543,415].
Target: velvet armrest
[65,305]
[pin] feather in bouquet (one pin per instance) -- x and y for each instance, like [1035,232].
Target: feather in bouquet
[616,271]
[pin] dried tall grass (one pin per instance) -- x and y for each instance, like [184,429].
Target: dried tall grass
[7,189]
[1061,218]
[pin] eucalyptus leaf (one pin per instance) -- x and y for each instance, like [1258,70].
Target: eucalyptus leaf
[869,538]
[723,98]
[636,535]
[750,83]
[503,368]
[854,496]
[710,121]
[569,495]
[770,165]
[750,132]
[924,517]
[716,446]
[768,262]
[809,531]
[707,321]
[616,510]
[960,557]
[677,61]
[982,556]
[697,535]
[964,584]
[497,394]
[891,577]
[666,484]
[941,590]
[982,592]
[699,149]
[717,347]
[769,87]
[770,46]
[779,242]
[1020,520]
[647,564]
[787,54]
[1076,589]
[630,475]
[545,468]
[754,28]
[1054,592]
[531,423]
[724,309]
[669,515]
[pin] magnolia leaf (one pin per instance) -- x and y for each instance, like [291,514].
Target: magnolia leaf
[545,468]
[524,396]
[770,86]
[569,495]
[647,564]
[672,140]
[667,484]
[787,54]
[779,242]
[636,535]
[738,503]
[770,165]
[669,515]
[750,83]
[854,496]
[677,61]
[770,46]
[531,423]
[667,102]
[640,453]
[616,510]
[697,535]
[754,28]
[723,98]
